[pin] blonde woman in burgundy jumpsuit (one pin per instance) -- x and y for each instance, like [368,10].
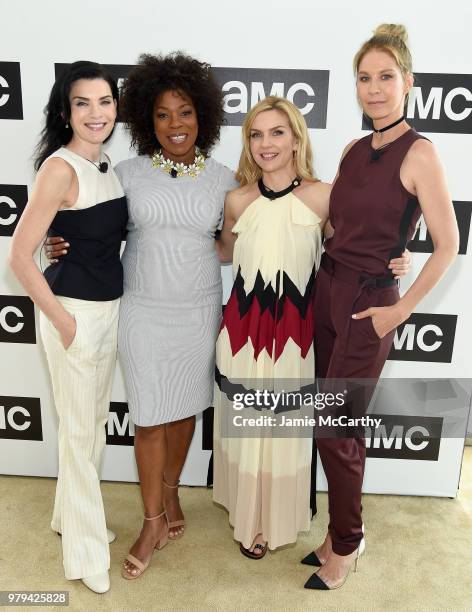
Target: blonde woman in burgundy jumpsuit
[386,180]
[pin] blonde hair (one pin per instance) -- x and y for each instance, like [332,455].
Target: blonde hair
[248,171]
[391,38]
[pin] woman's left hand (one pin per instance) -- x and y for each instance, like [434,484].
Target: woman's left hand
[384,318]
[401,265]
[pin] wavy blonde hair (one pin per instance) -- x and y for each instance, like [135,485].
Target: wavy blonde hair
[248,171]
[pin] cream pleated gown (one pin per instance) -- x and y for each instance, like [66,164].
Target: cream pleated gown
[267,334]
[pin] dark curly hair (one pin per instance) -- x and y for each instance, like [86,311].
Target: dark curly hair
[55,134]
[156,74]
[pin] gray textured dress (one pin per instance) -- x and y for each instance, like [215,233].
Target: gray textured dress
[171,307]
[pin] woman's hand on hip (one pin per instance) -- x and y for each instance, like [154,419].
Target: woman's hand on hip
[384,318]
[56,247]
[400,266]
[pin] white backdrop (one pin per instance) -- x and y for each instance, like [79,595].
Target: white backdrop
[305,36]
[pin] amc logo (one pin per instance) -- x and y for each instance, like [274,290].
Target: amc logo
[13,200]
[422,243]
[405,437]
[425,337]
[17,319]
[440,103]
[244,87]
[20,418]
[11,104]
[119,428]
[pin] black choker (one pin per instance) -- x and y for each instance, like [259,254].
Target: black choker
[387,127]
[273,195]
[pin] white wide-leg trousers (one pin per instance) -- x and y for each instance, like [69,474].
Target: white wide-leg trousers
[82,378]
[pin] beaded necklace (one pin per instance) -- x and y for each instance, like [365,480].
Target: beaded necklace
[167,165]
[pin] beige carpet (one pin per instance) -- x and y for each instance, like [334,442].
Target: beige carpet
[418,557]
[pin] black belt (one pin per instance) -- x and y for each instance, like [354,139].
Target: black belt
[354,277]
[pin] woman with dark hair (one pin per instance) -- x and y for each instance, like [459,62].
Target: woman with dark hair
[77,195]
[171,309]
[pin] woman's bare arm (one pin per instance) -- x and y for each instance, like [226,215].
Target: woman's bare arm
[429,183]
[226,240]
[438,211]
[53,185]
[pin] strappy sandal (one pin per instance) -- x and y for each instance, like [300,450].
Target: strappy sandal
[142,566]
[251,555]
[180,523]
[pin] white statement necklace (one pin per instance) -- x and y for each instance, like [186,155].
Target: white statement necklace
[159,161]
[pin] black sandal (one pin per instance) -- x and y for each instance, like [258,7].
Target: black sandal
[247,553]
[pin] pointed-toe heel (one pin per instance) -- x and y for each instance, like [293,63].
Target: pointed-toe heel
[318,584]
[315,582]
[311,559]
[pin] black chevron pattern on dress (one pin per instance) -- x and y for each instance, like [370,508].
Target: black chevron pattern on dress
[268,297]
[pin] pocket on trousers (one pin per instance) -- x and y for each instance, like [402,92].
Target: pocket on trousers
[372,329]
[365,327]
[75,339]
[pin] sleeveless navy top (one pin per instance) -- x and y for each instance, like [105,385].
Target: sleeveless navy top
[94,228]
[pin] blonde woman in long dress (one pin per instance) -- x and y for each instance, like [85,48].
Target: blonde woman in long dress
[277,215]
[274,222]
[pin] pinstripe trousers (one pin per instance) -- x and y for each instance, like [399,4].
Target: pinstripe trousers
[82,377]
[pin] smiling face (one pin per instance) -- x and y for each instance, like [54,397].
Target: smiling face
[176,126]
[381,86]
[92,111]
[272,141]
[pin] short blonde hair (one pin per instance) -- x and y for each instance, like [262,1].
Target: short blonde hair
[248,171]
[391,38]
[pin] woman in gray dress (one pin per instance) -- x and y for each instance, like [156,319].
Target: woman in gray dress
[171,307]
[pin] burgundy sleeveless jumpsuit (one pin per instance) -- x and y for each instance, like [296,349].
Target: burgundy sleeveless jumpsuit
[374,217]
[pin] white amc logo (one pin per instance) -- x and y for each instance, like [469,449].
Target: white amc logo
[20,418]
[238,100]
[399,436]
[18,326]
[17,322]
[117,428]
[12,217]
[4,85]
[425,337]
[431,107]
[13,200]
[408,335]
[8,417]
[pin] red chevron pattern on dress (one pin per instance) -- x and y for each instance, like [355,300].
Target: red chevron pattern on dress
[267,331]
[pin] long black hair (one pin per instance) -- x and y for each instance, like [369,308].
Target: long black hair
[57,132]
